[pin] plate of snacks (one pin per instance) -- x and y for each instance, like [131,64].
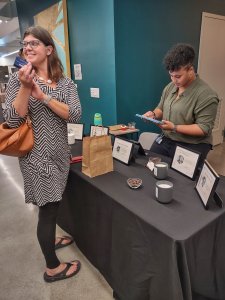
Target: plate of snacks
[134,183]
[124,127]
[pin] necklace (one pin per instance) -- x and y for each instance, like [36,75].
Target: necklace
[48,81]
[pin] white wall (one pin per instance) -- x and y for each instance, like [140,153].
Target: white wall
[8,60]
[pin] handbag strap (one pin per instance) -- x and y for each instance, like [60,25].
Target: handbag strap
[28,121]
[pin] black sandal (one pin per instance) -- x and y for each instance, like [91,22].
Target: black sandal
[60,244]
[62,275]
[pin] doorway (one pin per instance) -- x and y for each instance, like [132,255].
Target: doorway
[211,65]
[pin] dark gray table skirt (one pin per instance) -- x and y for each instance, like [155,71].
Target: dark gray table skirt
[144,249]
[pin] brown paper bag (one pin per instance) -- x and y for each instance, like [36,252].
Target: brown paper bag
[97,155]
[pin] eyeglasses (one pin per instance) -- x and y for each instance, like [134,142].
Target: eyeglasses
[32,44]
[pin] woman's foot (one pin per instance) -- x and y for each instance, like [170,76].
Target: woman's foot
[63,271]
[63,241]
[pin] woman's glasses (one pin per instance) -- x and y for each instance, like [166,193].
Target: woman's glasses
[32,44]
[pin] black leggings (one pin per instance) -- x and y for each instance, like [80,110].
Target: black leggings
[46,230]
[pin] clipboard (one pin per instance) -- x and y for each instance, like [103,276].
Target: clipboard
[157,122]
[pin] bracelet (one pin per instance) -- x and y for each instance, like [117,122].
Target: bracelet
[46,100]
[174,129]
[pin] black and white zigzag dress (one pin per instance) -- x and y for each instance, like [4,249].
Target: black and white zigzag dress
[45,169]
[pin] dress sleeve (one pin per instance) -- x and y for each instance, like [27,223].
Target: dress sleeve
[74,104]
[10,114]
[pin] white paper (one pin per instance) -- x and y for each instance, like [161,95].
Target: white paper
[99,130]
[185,161]
[150,165]
[205,183]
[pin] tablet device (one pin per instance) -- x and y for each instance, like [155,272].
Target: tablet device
[149,119]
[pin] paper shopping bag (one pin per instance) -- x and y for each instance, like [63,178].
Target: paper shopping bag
[97,155]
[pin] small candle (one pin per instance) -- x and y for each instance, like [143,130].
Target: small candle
[164,186]
[161,165]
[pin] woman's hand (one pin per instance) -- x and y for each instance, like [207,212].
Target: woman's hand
[149,114]
[26,75]
[167,125]
[155,114]
[36,92]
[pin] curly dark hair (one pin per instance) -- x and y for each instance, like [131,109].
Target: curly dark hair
[179,56]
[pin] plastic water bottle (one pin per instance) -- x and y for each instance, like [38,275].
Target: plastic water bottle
[98,119]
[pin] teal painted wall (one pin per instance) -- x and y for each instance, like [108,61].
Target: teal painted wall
[91,39]
[91,31]
[144,31]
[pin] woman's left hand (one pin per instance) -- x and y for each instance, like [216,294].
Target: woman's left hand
[167,125]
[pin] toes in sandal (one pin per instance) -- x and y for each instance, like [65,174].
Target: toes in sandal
[60,243]
[62,275]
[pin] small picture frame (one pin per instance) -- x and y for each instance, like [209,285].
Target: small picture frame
[185,161]
[98,130]
[77,129]
[206,184]
[122,150]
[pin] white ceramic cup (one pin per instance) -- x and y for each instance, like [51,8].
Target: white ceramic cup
[164,191]
[161,170]
[71,138]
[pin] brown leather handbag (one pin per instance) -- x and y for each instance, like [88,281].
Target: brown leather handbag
[16,141]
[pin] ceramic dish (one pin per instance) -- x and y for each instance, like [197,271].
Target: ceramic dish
[134,183]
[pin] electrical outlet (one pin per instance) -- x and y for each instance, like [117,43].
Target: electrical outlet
[94,92]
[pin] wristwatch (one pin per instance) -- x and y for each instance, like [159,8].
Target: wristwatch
[46,100]
[154,115]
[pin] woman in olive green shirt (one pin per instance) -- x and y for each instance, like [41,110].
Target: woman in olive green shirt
[188,106]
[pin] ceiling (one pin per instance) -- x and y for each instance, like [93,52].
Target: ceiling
[9,27]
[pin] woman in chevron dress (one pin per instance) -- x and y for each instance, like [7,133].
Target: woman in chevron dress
[40,90]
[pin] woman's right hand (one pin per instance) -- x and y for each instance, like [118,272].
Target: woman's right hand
[149,114]
[26,75]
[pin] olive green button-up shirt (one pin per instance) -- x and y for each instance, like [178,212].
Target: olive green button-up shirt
[196,105]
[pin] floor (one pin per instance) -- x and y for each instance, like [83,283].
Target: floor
[216,158]
[21,261]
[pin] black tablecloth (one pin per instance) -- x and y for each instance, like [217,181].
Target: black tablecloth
[144,249]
